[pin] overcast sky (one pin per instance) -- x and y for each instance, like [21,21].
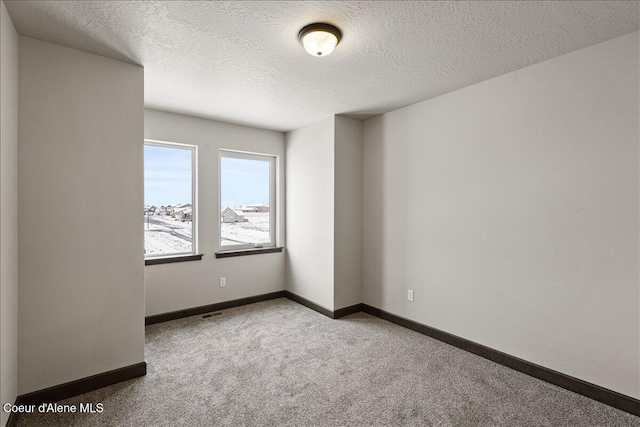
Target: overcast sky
[167,175]
[167,178]
[244,182]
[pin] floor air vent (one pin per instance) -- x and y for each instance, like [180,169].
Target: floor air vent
[217,313]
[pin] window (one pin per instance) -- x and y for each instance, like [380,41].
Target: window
[169,198]
[247,200]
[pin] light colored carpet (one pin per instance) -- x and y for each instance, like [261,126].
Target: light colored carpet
[277,363]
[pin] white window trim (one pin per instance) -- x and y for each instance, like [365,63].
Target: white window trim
[194,196]
[273,164]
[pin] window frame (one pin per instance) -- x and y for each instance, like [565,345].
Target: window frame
[273,164]
[194,199]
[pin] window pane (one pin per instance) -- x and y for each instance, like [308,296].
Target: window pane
[245,198]
[168,193]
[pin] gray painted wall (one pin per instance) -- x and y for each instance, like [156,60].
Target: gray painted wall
[81,300]
[309,217]
[8,211]
[511,208]
[348,212]
[171,287]
[324,212]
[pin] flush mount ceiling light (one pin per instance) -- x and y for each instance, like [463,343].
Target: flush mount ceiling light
[319,39]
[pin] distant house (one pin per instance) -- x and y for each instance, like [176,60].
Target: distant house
[230,216]
[183,214]
[256,208]
[150,209]
[165,210]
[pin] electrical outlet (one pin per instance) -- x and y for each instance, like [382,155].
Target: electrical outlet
[223,282]
[410,295]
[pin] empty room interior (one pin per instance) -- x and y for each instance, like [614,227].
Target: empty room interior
[307,213]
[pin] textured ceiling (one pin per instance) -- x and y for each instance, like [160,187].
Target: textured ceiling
[241,61]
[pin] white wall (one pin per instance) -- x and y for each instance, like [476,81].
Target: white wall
[81,300]
[324,211]
[8,211]
[310,212]
[172,287]
[511,208]
[348,212]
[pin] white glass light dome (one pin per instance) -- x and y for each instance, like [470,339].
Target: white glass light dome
[319,39]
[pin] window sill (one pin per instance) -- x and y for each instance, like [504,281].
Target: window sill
[243,252]
[172,259]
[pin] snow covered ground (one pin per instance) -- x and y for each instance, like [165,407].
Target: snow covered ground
[166,235]
[255,230]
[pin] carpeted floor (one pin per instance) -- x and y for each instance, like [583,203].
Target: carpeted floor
[277,363]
